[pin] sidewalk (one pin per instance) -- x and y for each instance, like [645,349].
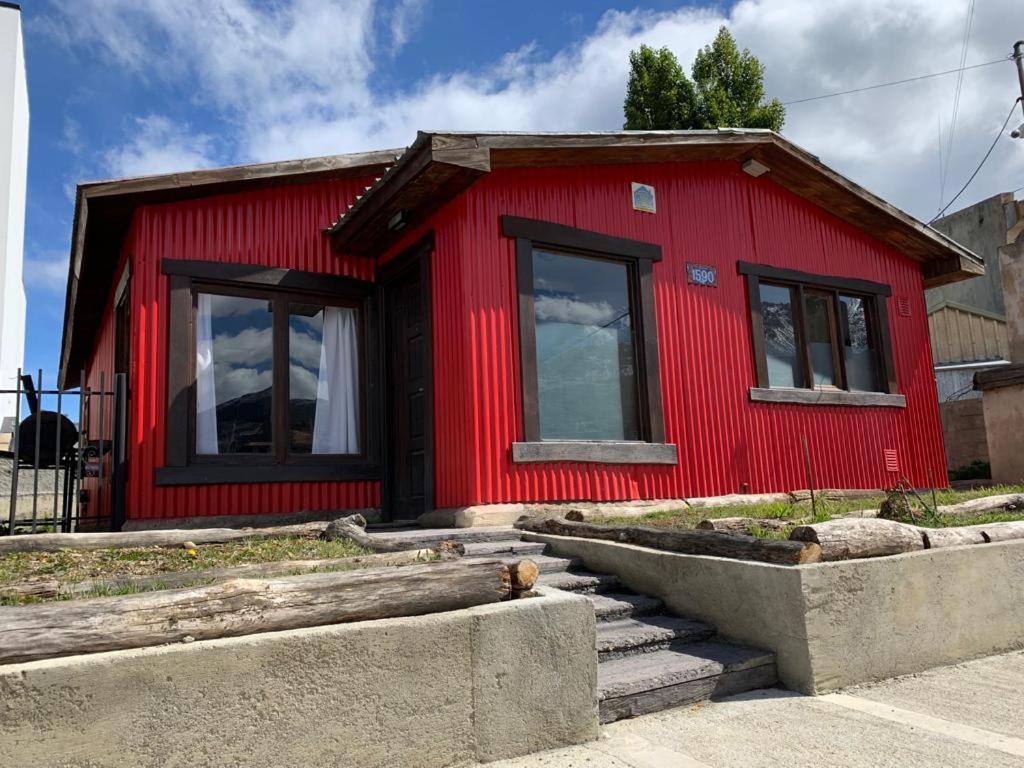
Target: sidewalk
[967,715]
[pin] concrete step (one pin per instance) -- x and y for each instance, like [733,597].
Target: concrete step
[506,546]
[619,605]
[629,637]
[683,674]
[581,581]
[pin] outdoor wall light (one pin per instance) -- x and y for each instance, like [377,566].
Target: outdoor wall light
[399,221]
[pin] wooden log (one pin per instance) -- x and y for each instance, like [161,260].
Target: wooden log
[849,538]
[834,494]
[53,542]
[1009,531]
[347,528]
[687,542]
[49,588]
[743,524]
[245,606]
[939,538]
[1007,502]
[738,499]
[523,574]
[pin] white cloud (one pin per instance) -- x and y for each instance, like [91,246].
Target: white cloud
[406,16]
[158,145]
[563,310]
[46,270]
[297,79]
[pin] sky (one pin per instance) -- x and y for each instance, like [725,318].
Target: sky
[132,87]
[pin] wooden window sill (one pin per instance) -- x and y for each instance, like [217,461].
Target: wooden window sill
[215,474]
[594,452]
[827,397]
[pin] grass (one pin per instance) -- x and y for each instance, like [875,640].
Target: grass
[825,509]
[70,566]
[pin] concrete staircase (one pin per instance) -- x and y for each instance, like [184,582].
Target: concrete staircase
[648,659]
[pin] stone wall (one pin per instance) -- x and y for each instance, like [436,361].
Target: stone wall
[963,431]
[446,689]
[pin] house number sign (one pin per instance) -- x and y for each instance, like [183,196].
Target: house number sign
[700,274]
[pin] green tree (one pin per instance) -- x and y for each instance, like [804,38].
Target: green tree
[727,90]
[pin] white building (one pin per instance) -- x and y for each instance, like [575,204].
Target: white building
[13,177]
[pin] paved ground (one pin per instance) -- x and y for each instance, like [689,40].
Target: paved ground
[968,715]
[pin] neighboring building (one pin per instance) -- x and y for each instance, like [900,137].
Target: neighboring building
[967,320]
[967,323]
[508,318]
[13,175]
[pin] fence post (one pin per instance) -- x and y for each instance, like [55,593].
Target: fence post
[13,513]
[119,452]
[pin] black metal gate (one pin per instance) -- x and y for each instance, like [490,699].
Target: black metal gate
[65,476]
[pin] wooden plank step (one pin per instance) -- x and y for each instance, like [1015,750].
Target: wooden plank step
[430,537]
[627,637]
[547,563]
[507,546]
[683,674]
[580,581]
[619,605]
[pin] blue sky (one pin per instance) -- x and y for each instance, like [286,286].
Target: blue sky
[128,87]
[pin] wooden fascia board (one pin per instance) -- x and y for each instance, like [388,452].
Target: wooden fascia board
[311,167]
[431,174]
[65,377]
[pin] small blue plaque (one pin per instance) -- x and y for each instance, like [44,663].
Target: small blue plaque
[643,197]
[701,274]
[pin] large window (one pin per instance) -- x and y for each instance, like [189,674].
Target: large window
[586,354]
[236,395]
[818,333]
[588,346]
[267,379]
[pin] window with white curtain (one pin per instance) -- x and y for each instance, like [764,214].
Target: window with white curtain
[247,404]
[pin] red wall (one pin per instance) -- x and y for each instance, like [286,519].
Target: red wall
[709,213]
[278,227]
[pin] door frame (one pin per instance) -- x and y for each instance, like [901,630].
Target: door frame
[417,256]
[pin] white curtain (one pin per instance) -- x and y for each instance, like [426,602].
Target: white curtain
[206,389]
[336,418]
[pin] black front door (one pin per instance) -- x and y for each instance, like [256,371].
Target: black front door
[407,401]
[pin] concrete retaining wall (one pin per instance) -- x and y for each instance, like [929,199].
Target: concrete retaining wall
[963,430]
[446,689]
[833,625]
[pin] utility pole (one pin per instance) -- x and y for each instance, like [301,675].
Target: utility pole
[1018,56]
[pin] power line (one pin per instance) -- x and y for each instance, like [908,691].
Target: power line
[994,142]
[896,82]
[968,24]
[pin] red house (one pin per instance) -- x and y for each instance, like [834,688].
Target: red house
[488,318]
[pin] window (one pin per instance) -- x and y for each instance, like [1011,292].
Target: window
[588,346]
[266,376]
[585,358]
[236,395]
[820,334]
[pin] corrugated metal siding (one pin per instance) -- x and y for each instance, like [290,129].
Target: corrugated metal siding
[960,335]
[278,227]
[709,213]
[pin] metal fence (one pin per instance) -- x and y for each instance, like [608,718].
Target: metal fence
[66,476]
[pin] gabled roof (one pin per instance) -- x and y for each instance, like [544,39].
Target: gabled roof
[103,212]
[439,165]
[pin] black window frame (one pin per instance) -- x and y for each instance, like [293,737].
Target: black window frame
[283,287]
[639,258]
[875,297]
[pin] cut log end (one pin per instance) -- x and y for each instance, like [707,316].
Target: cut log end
[524,575]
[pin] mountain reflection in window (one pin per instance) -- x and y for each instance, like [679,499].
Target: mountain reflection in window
[234,375]
[586,371]
[779,336]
